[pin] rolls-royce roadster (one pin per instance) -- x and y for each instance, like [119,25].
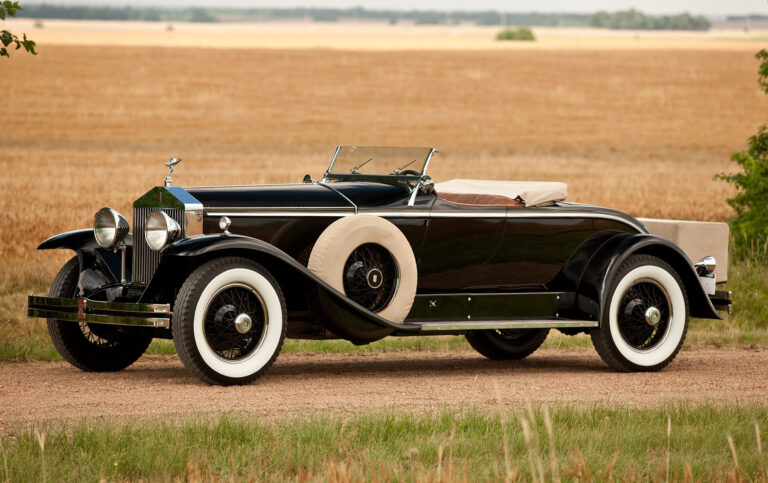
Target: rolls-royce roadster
[373,249]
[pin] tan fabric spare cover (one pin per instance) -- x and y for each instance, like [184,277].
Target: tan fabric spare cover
[532,193]
[698,239]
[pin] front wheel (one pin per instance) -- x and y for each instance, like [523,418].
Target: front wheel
[229,321]
[647,316]
[505,344]
[91,347]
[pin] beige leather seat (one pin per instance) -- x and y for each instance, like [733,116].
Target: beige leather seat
[478,199]
[501,193]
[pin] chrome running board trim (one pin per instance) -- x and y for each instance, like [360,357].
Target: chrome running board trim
[502,324]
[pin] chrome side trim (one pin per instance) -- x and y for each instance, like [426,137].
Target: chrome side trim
[578,214]
[284,214]
[502,324]
[309,212]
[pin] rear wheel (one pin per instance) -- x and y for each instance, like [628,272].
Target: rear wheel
[229,321]
[504,344]
[647,316]
[91,347]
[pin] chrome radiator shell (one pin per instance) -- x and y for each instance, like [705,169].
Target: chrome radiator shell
[176,203]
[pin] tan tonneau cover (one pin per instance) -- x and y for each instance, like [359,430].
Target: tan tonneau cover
[531,193]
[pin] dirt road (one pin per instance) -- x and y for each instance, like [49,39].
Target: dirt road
[159,386]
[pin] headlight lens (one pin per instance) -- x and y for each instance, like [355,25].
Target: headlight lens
[160,229]
[109,227]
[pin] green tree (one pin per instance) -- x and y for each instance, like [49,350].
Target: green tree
[7,9]
[749,228]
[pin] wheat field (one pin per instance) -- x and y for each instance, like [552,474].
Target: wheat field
[640,130]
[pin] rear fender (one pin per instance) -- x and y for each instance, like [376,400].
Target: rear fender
[602,269]
[338,313]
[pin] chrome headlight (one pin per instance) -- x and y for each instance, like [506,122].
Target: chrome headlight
[109,227]
[705,266]
[160,230]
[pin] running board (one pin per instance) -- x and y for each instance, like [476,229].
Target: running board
[502,324]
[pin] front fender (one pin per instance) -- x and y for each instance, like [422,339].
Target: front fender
[72,240]
[605,264]
[341,315]
[89,253]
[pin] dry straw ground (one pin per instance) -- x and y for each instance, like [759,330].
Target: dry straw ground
[641,130]
[638,126]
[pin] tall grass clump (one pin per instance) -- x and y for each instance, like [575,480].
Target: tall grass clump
[749,228]
[564,443]
[519,33]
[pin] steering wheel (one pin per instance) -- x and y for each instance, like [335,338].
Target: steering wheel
[409,172]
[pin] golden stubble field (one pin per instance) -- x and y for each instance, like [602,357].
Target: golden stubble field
[640,130]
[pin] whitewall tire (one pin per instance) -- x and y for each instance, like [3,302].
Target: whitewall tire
[646,320]
[229,321]
[368,259]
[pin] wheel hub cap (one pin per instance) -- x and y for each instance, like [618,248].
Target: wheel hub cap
[370,276]
[235,322]
[644,315]
[243,323]
[375,278]
[652,316]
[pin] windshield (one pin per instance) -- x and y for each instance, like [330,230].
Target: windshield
[378,161]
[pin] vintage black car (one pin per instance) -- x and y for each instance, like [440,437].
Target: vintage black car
[374,249]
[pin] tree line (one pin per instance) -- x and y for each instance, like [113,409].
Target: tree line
[636,20]
[629,19]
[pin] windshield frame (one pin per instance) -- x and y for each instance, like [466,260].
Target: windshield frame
[386,178]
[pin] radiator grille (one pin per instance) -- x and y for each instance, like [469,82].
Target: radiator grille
[146,260]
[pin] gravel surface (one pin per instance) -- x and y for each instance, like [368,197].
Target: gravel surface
[159,386]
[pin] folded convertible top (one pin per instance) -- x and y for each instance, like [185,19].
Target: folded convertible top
[531,193]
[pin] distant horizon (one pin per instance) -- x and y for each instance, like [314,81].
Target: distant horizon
[709,8]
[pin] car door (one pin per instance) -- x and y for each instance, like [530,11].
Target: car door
[460,242]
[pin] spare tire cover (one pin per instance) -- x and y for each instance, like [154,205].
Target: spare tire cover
[368,259]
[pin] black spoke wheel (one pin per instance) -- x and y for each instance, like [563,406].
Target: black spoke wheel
[644,314]
[504,344]
[91,347]
[371,276]
[229,321]
[235,322]
[645,317]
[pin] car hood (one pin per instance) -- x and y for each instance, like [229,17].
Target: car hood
[303,195]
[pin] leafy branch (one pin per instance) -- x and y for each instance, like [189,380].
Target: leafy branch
[762,71]
[9,9]
[750,225]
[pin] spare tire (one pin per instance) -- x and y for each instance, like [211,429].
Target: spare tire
[368,259]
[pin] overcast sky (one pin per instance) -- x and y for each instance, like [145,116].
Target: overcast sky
[707,7]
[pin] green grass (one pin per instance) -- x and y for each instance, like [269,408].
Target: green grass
[25,339]
[747,325]
[605,443]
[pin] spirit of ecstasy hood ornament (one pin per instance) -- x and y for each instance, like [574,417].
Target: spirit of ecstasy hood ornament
[171,163]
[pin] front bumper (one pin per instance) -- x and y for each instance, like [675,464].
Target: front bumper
[100,312]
